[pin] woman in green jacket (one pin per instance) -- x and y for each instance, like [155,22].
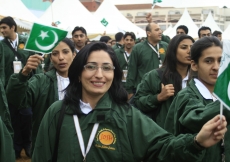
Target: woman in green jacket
[196,104]
[158,87]
[96,123]
[42,89]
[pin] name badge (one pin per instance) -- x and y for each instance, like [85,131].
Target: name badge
[17,66]
[124,76]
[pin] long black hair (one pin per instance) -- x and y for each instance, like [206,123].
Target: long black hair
[169,64]
[74,89]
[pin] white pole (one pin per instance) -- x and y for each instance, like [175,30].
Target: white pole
[221,111]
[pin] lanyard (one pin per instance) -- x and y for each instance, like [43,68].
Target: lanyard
[157,51]
[80,138]
[14,46]
[126,57]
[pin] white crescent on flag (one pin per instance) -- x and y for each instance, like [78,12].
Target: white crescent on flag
[228,90]
[45,48]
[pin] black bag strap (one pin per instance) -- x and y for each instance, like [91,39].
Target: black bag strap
[15,52]
[60,120]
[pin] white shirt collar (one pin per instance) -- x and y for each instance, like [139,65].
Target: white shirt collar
[62,83]
[184,81]
[85,107]
[203,90]
[15,42]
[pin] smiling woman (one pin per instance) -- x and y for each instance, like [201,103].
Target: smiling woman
[95,111]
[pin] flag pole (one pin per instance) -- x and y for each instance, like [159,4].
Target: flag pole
[52,11]
[221,111]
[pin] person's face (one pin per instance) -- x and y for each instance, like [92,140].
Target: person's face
[129,42]
[97,82]
[219,36]
[208,66]
[113,42]
[62,57]
[180,31]
[156,33]
[79,39]
[183,52]
[6,30]
[109,43]
[205,33]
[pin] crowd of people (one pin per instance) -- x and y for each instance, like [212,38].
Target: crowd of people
[128,99]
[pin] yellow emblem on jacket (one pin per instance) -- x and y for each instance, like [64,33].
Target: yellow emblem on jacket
[21,46]
[162,51]
[106,137]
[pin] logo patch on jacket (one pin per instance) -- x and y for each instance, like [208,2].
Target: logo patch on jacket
[106,139]
[161,50]
[21,46]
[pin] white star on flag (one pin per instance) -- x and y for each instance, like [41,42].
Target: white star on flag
[43,34]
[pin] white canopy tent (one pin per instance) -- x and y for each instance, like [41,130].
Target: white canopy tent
[168,30]
[71,13]
[116,21]
[16,9]
[187,21]
[211,23]
[226,33]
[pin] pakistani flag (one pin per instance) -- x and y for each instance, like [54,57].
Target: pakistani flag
[43,38]
[156,1]
[104,22]
[222,87]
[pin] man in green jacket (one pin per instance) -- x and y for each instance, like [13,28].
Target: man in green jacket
[145,56]
[123,54]
[119,41]
[12,58]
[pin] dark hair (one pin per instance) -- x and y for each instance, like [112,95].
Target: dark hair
[148,27]
[77,28]
[200,45]
[170,72]
[119,36]
[10,22]
[74,89]
[131,34]
[203,28]
[105,39]
[183,27]
[216,33]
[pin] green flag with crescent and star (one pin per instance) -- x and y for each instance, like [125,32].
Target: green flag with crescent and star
[43,38]
[104,22]
[222,86]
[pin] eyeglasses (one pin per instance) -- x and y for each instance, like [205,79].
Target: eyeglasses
[104,67]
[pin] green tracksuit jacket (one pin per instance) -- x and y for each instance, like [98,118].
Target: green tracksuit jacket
[116,46]
[187,114]
[142,60]
[6,144]
[124,135]
[122,61]
[146,96]
[38,92]
[4,110]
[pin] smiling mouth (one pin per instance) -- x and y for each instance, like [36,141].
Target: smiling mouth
[98,84]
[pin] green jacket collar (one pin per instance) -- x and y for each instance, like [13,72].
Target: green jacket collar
[195,90]
[52,74]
